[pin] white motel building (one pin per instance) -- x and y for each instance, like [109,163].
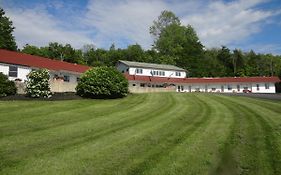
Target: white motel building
[142,77]
[64,76]
[146,77]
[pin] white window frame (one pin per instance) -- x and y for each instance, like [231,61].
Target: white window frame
[178,74]
[66,78]
[139,71]
[13,71]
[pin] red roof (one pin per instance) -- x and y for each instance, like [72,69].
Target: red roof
[11,57]
[202,80]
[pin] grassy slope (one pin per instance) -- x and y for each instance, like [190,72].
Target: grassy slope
[165,133]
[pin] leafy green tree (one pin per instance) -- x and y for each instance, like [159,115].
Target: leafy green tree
[7,87]
[212,67]
[134,53]
[34,50]
[102,82]
[165,19]
[7,40]
[182,43]
[224,56]
[37,84]
[238,63]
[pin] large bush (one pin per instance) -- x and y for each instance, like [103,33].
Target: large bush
[102,82]
[7,87]
[37,84]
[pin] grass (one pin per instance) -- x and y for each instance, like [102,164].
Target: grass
[160,133]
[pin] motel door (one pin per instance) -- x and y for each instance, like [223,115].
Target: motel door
[179,88]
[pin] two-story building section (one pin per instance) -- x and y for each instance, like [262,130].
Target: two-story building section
[147,77]
[150,69]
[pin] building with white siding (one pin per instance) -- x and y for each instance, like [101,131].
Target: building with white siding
[63,75]
[142,78]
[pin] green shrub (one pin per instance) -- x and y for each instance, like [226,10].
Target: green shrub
[102,82]
[38,84]
[7,87]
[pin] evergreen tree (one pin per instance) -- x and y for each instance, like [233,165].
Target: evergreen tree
[7,40]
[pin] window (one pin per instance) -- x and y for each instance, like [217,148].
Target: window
[222,88]
[178,74]
[258,87]
[139,71]
[78,79]
[13,71]
[142,85]
[238,87]
[266,86]
[213,89]
[229,87]
[66,78]
[134,84]
[162,73]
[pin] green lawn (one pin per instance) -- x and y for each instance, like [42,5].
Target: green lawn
[161,133]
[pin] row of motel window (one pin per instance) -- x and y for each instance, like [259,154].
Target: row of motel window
[229,87]
[13,72]
[156,72]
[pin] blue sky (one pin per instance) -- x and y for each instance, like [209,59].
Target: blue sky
[244,24]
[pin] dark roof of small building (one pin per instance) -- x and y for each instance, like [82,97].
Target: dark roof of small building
[17,58]
[202,80]
[151,65]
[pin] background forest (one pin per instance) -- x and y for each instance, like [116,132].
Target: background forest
[174,44]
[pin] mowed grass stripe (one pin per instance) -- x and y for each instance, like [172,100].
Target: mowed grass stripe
[268,134]
[83,137]
[161,133]
[198,153]
[59,117]
[170,139]
[251,134]
[135,148]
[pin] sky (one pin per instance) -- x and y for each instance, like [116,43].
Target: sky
[242,24]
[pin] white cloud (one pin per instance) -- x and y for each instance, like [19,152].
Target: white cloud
[38,27]
[124,20]
[217,22]
[262,48]
[127,22]
[222,23]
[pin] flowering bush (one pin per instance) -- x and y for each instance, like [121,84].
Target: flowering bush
[7,87]
[102,82]
[38,84]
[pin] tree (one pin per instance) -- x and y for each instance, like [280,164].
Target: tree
[7,40]
[165,19]
[238,63]
[181,43]
[224,56]
[87,47]
[34,50]
[102,82]
[7,87]
[134,53]
[37,84]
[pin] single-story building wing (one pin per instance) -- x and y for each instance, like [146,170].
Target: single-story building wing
[63,75]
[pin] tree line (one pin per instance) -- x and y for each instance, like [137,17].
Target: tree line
[173,43]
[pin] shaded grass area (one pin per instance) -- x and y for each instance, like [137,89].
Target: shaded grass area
[160,133]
